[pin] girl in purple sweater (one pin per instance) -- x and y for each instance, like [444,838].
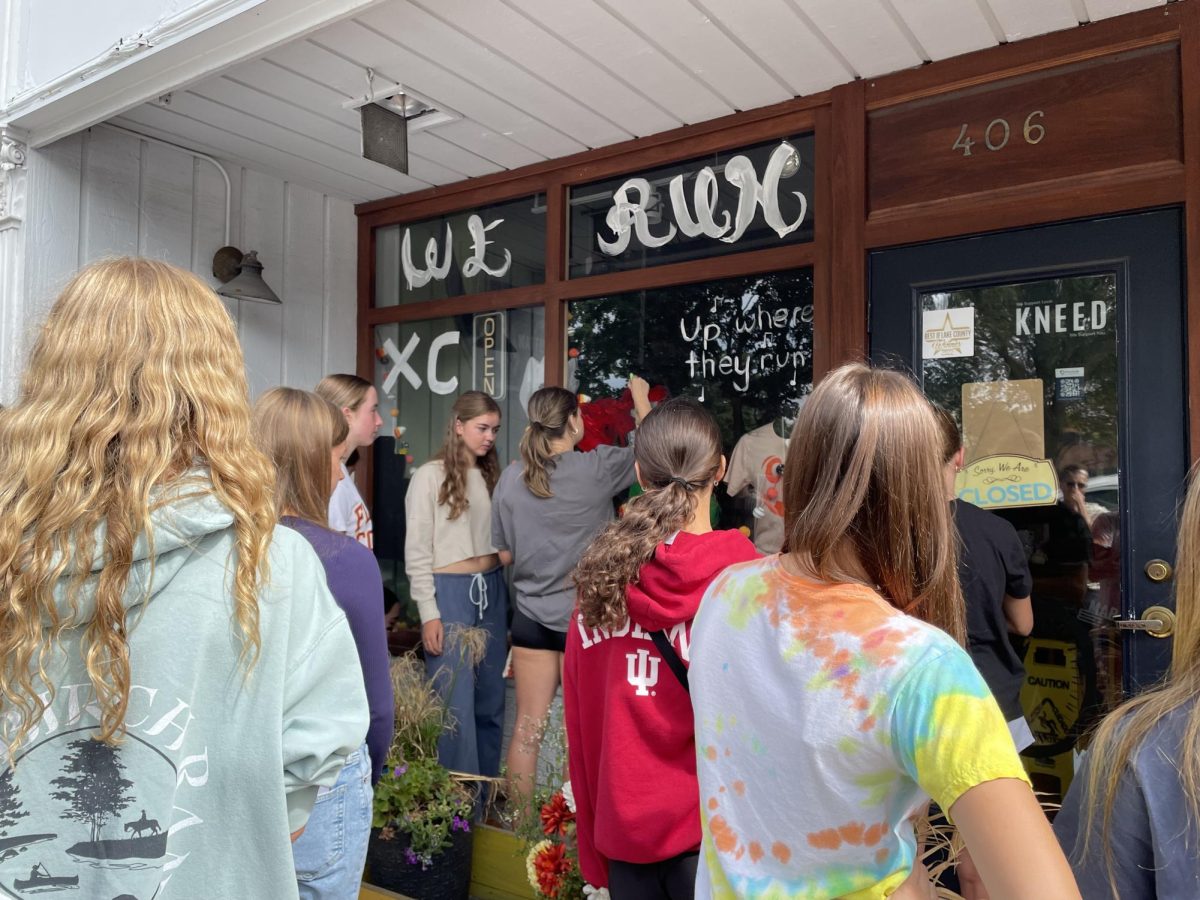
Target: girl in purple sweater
[329,856]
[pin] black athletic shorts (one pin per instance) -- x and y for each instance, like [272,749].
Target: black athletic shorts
[534,635]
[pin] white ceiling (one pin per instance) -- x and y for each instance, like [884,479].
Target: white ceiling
[540,79]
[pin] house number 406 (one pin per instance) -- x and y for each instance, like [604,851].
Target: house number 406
[996,135]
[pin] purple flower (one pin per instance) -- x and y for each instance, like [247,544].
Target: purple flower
[400,769]
[411,858]
[460,824]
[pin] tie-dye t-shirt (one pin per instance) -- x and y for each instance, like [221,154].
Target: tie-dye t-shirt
[825,719]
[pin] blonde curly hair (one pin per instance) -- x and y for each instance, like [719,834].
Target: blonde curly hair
[136,379]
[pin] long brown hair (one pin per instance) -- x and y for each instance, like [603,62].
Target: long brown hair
[298,430]
[951,436]
[678,452]
[1123,732]
[457,460]
[550,408]
[344,391]
[157,387]
[864,474]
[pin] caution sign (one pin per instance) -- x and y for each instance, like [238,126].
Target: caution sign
[1052,698]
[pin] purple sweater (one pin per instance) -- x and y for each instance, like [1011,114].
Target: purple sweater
[354,581]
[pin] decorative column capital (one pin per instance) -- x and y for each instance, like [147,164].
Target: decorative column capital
[13,174]
[12,149]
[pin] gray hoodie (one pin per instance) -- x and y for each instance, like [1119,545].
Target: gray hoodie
[216,770]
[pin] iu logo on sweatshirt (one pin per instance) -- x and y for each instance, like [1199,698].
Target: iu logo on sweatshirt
[642,669]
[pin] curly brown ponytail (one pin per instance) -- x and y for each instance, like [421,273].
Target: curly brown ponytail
[678,453]
[550,408]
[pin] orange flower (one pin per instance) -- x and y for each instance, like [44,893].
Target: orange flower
[556,815]
[550,865]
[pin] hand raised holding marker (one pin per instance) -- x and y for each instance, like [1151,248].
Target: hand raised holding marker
[639,389]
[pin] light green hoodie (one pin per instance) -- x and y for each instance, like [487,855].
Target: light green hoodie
[216,770]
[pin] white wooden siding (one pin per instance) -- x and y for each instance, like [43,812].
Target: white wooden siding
[104,193]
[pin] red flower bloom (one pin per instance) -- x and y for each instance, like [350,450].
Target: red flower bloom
[551,865]
[556,815]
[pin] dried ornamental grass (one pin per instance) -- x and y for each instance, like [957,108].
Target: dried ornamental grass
[416,796]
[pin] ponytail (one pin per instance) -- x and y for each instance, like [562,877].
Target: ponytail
[550,408]
[538,459]
[678,453]
[615,558]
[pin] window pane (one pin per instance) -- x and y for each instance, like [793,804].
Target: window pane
[1030,369]
[487,249]
[420,370]
[608,234]
[743,346]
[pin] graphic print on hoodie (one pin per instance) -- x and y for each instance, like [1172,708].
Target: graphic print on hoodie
[214,772]
[632,751]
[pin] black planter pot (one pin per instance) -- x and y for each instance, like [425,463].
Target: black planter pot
[448,878]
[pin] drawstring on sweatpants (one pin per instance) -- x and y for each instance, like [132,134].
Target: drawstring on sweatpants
[479,599]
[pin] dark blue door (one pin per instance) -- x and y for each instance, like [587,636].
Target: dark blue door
[1060,350]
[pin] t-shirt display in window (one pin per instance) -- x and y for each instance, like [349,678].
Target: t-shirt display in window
[757,466]
[349,514]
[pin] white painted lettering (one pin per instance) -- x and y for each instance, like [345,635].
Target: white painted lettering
[479,244]
[1023,320]
[418,278]
[626,215]
[437,385]
[1041,320]
[401,366]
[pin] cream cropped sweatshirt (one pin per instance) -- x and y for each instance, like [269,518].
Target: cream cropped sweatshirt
[433,540]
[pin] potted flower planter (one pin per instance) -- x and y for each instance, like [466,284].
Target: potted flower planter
[392,865]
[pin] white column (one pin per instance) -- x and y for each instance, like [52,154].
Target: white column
[14,177]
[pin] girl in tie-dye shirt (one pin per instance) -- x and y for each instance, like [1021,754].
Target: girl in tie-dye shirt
[830,704]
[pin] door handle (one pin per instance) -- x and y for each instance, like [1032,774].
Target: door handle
[1156,621]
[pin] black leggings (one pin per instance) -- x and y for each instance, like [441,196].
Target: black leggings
[671,879]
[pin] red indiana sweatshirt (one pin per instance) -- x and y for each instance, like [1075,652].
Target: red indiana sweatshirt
[630,737]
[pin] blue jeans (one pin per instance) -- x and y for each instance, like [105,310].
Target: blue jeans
[474,695]
[330,855]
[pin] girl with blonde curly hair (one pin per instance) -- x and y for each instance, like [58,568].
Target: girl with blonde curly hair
[163,646]
[456,581]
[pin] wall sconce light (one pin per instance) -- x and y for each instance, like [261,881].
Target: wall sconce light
[241,276]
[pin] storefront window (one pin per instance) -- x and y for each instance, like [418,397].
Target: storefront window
[742,346]
[486,249]
[726,202]
[420,369]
